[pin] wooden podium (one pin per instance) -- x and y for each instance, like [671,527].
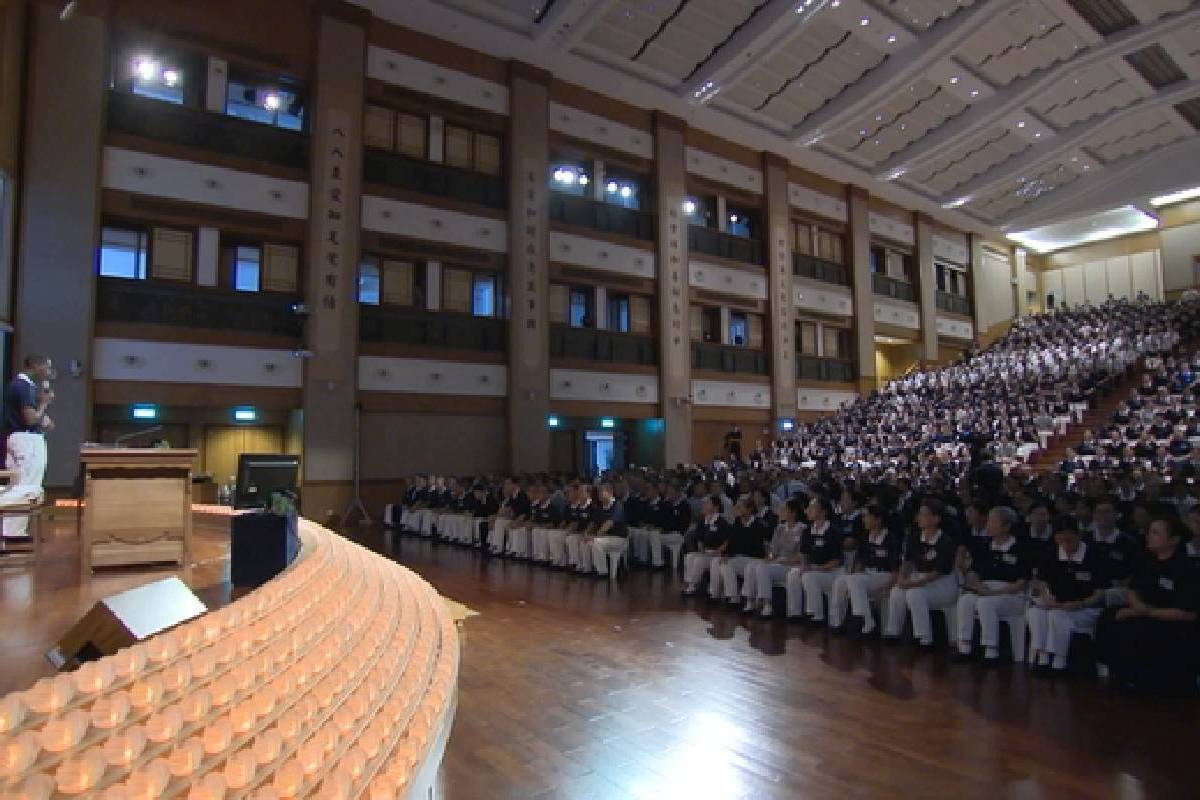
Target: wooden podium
[137,506]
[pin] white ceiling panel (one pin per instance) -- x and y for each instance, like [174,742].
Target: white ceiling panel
[906,117]
[1028,38]
[979,154]
[1086,93]
[920,15]
[1139,133]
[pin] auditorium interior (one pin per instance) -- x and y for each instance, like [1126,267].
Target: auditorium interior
[480,399]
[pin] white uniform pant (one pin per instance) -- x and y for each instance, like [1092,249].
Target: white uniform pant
[671,541]
[497,534]
[794,584]
[1050,630]
[518,541]
[694,565]
[602,546]
[861,588]
[539,543]
[579,552]
[427,519]
[729,570]
[410,518]
[761,579]
[816,583]
[639,545]
[27,458]
[556,546]
[990,609]
[942,593]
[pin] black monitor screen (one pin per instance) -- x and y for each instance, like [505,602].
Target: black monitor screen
[260,475]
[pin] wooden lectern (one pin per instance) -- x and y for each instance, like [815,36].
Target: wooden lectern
[137,506]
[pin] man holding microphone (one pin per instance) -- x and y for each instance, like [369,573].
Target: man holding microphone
[25,404]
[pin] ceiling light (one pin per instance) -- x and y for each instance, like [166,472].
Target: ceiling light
[146,69]
[862,131]
[865,21]
[974,93]
[891,39]
[835,3]
[1021,124]
[612,187]
[626,192]
[953,80]
[689,207]
[1176,197]
[733,218]
[1092,228]
[272,102]
[170,77]
[583,180]
[1037,135]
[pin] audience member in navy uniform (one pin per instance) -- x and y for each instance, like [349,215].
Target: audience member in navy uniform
[1068,597]
[747,545]
[926,580]
[1119,552]
[486,507]
[1150,646]
[711,533]
[876,566]
[609,532]
[821,547]
[782,554]
[994,589]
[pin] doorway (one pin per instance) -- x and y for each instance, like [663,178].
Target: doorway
[600,449]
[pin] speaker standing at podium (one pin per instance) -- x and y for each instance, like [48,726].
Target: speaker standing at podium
[25,404]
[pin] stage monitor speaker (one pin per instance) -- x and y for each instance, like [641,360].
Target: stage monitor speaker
[126,618]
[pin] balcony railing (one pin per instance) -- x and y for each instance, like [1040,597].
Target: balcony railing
[425,177]
[187,306]
[205,130]
[720,358]
[593,345]
[819,269]
[382,324]
[600,216]
[814,368]
[891,287]
[725,245]
[953,303]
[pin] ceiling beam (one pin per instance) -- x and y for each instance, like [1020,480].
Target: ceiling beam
[899,71]
[1068,140]
[1012,99]
[568,21]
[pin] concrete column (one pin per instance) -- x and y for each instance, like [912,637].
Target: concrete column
[599,180]
[674,347]
[330,377]
[722,214]
[433,286]
[60,206]
[529,322]
[864,293]
[780,330]
[208,246]
[725,337]
[975,243]
[601,308]
[215,89]
[1020,262]
[926,286]
[437,139]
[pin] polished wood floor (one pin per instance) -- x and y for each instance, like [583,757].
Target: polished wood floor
[572,688]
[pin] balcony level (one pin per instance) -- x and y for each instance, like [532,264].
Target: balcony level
[585,212]
[816,368]
[713,242]
[894,288]
[145,302]
[419,328]
[724,358]
[426,177]
[818,269]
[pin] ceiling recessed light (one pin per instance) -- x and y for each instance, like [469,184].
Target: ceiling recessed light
[891,39]
[836,3]
[953,80]
[974,93]
[1037,135]
[865,21]
[1175,197]
[1021,124]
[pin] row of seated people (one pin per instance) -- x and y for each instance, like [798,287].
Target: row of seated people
[1037,557]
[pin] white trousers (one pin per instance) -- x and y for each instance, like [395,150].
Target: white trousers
[428,516]
[794,584]
[27,458]
[602,546]
[556,546]
[497,534]
[579,552]
[1050,630]
[639,544]
[816,583]
[671,541]
[861,588]
[694,565]
[990,610]
[728,572]
[518,541]
[940,594]
[762,577]
[538,541]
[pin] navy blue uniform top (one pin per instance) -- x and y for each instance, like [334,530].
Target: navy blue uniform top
[614,513]
[518,505]
[21,394]
[713,534]
[1070,580]
[936,556]
[677,517]
[1120,556]
[1167,583]
[883,555]
[1008,563]
[544,513]
[487,506]
[749,538]
[579,516]
[822,546]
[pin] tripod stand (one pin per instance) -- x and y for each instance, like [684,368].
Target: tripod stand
[356,503]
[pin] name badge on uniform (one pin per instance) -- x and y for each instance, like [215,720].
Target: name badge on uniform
[1166,583]
[1009,558]
[819,541]
[930,554]
[881,552]
[1083,576]
[1116,555]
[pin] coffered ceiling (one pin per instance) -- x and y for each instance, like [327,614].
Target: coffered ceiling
[997,113]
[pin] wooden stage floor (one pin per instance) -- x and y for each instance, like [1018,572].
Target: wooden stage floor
[572,688]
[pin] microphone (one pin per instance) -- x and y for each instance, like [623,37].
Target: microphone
[122,439]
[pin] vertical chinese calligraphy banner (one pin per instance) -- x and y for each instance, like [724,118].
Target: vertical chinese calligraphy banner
[674,344]
[781,303]
[528,331]
[332,262]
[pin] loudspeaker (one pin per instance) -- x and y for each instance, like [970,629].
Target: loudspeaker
[126,618]
[261,546]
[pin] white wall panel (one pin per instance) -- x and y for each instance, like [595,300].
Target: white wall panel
[951,248]
[731,393]
[726,280]
[173,362]
[815,202]
[602,131]
[1073,288]
[891,229]
[904,315]
[567,248]
[432,79]
[427,376]
[615,387]
[995,295]
[724,171]
[159,176]
[434,224]
[1144,269]
[1052,286]
[955,328]
[1180,245]
[822,399]
[1120,280]
[822,298]
[1095,282]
